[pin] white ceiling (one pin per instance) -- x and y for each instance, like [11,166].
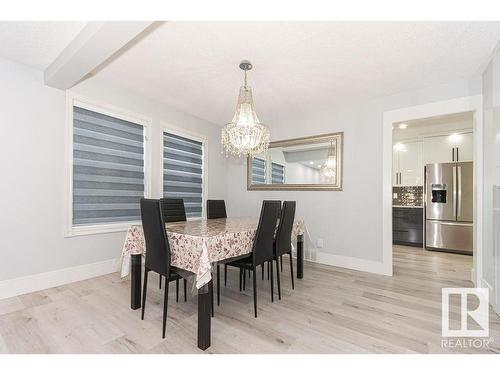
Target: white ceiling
[298,66]
[36,44]
[434,125]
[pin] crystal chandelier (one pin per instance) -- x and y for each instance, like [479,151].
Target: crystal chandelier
[245,135]
[329,168]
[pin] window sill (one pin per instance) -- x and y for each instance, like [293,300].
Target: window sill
[87,230]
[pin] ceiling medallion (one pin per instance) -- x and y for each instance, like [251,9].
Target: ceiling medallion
[245,134]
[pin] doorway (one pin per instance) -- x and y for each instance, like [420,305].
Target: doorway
[459,124]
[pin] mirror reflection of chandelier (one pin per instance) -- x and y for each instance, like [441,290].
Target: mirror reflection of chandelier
[245,135]
[329,168]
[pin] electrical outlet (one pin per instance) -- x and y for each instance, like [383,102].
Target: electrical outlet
[320,243]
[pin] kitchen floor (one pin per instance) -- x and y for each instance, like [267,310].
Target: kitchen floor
[331,310]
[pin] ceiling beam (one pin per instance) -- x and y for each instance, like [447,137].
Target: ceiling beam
[92,47]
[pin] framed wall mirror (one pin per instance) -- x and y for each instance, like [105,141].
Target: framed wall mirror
[309,163]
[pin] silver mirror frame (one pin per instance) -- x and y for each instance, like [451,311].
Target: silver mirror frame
[322,138]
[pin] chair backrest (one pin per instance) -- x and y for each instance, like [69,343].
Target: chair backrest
[264,237]
[284,233]
[216,209]
[157,247]
[173,209]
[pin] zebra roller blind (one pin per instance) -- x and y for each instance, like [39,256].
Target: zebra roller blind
[108,168]
[183,172]
[258,171]
[277,173]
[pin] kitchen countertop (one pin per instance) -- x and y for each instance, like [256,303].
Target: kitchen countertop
[394,206]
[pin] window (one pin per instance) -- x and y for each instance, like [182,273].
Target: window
[258,171]
[277,173]
[107,169]
[183,171]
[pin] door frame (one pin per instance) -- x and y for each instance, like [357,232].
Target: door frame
[463,104]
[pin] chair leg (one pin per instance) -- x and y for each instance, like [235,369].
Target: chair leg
[262,267]
[211,287]
[272,280]
[254,292]
[144,291]
[218,284]
[281,260]
[165,304]
[185,290]
[268,270]
[160,281]
[225,274]
[244,279]
[278,278]
[291,269]
[176,290]
[241,280]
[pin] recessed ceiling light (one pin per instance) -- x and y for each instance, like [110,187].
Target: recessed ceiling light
[311,162]
[403,126]
[455,138]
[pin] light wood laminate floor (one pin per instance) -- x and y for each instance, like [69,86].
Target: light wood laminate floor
[331,310]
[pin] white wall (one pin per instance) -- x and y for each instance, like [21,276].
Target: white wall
[491,105]
[32,171]
[349,221]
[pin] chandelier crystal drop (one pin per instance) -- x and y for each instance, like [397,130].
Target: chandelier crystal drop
[245,134]
[329,168]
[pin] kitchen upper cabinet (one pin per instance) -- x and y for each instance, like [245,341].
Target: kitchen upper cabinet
[449,148]
[407,164]
[465,147]
[395,166]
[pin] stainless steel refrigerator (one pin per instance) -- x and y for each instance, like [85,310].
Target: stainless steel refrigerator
[449,207]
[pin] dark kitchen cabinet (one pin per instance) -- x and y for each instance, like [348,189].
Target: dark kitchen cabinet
[408,226]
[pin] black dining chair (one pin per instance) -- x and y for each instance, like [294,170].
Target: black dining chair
[157,252]
[173,210]
[283,239]
[216,209]
[262,250]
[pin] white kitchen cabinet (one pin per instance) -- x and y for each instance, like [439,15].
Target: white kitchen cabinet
[407,164]
[465,147]
[395,166]
[449,148]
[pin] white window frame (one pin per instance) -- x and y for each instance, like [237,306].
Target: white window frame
[72,100]
[181,132]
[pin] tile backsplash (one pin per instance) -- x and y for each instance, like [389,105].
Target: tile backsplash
[407,195]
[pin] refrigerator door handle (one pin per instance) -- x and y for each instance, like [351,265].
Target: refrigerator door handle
[459,191]
[453,154]
[455,190]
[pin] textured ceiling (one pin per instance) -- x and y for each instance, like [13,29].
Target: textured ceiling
[36,44]
[298,66]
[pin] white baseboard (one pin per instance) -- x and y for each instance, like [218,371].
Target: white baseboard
[491,295]
[485,284]
[40,281]
[351,263]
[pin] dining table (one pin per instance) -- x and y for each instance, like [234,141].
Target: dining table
[195,247]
